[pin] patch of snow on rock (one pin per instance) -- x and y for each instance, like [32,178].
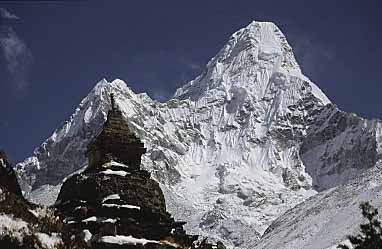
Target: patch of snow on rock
[49,241]
[114,172]
[121,240]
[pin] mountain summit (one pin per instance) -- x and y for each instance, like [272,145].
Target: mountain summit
[235,148]
[254,57]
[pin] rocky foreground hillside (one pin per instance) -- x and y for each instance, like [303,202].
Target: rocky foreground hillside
[233,150]
[26,225]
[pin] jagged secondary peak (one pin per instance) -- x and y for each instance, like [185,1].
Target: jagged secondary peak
[258,59]
[65,148]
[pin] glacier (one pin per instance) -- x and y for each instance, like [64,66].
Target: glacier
[233,149]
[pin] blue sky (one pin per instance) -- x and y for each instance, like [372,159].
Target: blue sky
[52,53]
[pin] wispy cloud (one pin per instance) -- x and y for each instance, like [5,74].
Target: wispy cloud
[5,14]
[195,66]
[312,55]
[18,58]
[161,95]
[165,71]
[189,63]
[312,52]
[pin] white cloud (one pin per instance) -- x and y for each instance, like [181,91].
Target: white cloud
[7,15]
[194,66]
[13,50]
[312,55]
[161,95]
[17,56]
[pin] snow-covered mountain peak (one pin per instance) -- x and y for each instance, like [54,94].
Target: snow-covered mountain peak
[265,39]
[105,85]
[256,61]
[235,148]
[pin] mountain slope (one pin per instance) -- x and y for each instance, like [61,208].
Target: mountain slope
[324,220]
[245,141]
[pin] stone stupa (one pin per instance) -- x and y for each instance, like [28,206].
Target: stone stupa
[114,203]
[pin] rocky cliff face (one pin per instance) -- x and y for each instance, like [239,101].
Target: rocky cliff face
[233,149]
[8,177]
[339,146]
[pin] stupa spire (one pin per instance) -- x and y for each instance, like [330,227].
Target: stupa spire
[112,101]
[116,142]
